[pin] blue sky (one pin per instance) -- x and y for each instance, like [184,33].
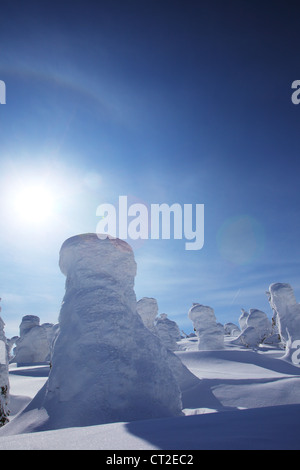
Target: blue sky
[163,101]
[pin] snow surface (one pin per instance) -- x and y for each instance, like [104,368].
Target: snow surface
[244,400]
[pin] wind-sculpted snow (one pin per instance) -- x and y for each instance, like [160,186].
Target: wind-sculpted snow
[243,319]
[168,332]
[210,333]
[256,330]
[106,365]
[4,378]
[231,329]
[34,344]
[287,314]
[147,308]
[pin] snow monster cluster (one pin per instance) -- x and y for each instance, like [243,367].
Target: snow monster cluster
[113,358]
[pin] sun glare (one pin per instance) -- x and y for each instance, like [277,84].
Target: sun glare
[34,203]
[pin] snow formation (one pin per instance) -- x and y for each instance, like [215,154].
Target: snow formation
[231,329]
[256,329]
[147,308]
[168,332]
[106,365]
[210,333]
[33,345]
[287,316]
[243,319]
[4,377]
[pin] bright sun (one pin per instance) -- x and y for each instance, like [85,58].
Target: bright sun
[34,203]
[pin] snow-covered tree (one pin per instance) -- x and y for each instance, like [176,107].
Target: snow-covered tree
[147,308]
[210,333]
[106,365]
[231,329]
[168,332]
[4,378]
[256,329]
[34,344]
[243,319]
[287,316]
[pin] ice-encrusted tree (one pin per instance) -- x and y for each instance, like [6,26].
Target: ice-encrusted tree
[210,333]
[106,365]
[243,319]
[286,315]
[256,329]
[168,332]
[4,377]
[34,344]
[231,329]
[147,308]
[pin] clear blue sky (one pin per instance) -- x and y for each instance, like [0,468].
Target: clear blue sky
[163,101]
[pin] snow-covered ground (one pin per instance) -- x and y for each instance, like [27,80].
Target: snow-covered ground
[244,400]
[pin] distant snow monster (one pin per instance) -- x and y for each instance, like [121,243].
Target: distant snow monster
[33,345]
[168,332]
[256,329]
[4,378]
[106,365]
[210,333]
[231,329]
[243,319]
[147,308]
[287,314]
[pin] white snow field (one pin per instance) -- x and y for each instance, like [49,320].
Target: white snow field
[244,400]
